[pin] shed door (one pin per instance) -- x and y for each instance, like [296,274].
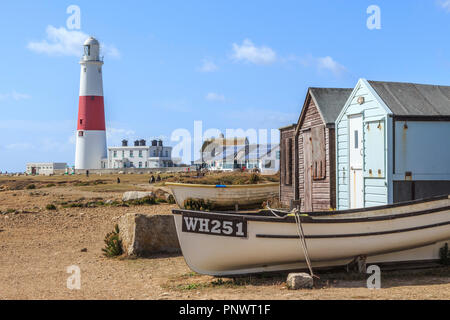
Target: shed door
[307,170]
[356,162]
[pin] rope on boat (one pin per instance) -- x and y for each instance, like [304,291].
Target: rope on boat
[301,236]
[300,233]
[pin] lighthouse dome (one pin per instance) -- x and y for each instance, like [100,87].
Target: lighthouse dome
[91,41]
[91,50]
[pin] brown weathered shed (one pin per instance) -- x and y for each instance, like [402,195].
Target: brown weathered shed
[287,160]
[308,151]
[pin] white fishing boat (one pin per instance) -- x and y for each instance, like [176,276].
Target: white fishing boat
[225,196]
[221,244]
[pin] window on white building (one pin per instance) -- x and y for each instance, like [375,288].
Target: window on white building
[140,164]
[131,154]
[115,154]
[140,153]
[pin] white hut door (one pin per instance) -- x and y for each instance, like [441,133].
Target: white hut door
[356,162]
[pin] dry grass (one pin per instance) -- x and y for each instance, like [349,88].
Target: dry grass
[225,178]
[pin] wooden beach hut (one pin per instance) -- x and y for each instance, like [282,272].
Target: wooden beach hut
[392,144]
[307,164]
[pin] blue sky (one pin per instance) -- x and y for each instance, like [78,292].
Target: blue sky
[231,64]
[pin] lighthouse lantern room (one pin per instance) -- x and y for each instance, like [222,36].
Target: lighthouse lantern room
[91,134]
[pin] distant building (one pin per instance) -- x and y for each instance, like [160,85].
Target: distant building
[236,153]
[139,155]
[46,168]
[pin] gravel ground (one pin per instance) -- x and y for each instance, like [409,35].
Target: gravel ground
[37,246]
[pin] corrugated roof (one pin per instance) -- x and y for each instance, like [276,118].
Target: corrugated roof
[330,101]
[411,99]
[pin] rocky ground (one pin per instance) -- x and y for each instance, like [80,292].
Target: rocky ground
[37,245]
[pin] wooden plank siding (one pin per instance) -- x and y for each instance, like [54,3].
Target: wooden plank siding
[323,191]
[287,184]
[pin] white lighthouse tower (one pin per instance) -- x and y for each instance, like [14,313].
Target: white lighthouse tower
[91,134]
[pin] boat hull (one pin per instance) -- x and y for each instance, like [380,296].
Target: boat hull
[272,244]
[225,197]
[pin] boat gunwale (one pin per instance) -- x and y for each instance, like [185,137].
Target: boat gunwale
[352,235]
[219,186]
[255,216]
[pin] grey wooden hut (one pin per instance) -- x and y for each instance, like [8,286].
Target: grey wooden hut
[307,168]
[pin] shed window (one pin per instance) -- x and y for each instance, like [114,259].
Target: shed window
[356,139]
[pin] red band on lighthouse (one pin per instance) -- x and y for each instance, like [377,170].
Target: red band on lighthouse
[91,113]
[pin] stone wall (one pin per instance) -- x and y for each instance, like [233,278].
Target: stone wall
[145,234]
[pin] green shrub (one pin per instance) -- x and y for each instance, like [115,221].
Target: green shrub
[31,186]
[50,185]
[171,199]
[254,178]
[113,244]
[50,207]
[198,204]
[143,201]
[74,205]
[444,255]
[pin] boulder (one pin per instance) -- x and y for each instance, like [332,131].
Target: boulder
[297,281]
[134,195]
[146,234]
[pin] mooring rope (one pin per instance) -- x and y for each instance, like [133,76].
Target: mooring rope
[300,233]
[301,236]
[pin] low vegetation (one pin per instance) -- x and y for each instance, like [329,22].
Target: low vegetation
[198,204]
[113,243]
[225,178]
[50,207]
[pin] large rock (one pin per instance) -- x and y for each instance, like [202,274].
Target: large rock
[143,234]
[297,281]
[134,195]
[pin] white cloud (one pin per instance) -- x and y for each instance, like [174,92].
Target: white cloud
[323,64]
[250,53]
[262,117]
[111,132]
[328,63]
[444,4]
[20,146]
[14,95]
[62,42]
[212,96]
[208,66]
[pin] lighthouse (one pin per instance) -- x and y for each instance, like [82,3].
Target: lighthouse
[91,134]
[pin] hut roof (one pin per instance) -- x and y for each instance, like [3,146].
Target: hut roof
[329,101]
[411,99]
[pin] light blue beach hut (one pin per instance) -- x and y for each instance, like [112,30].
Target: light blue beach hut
[392,144]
